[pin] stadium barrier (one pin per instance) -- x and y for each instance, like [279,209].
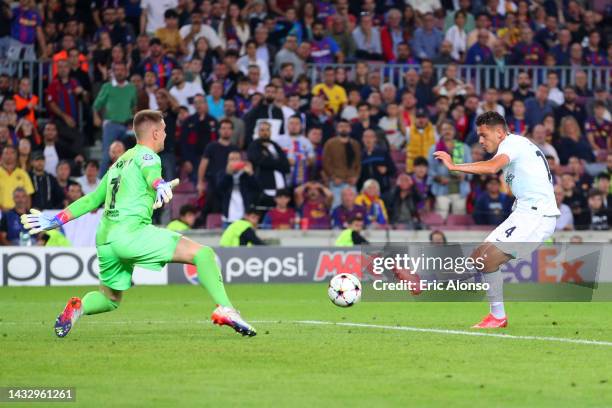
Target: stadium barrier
[27,266]
[480,76]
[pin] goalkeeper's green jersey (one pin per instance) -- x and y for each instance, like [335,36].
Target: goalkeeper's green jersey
[127,192]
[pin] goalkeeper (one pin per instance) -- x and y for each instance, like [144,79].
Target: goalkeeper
[130,190]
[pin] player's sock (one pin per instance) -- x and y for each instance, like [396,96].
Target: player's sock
[96,302]
[209,275]
[495,293]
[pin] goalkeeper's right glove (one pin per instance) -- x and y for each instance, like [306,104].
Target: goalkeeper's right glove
[164,192]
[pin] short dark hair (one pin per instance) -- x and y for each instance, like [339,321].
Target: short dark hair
[222,121]
[595,192]
[491,119]
[92,162]
[188,208]
[420,161]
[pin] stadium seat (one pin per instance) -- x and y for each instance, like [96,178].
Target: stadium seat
[432,219]
[488,228]
[214,221]
[179,200]
[462,220]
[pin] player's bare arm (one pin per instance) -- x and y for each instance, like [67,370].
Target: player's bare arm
[492,166]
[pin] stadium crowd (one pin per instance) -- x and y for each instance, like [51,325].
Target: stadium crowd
[295,105]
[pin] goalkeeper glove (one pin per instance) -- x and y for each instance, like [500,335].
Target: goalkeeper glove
[36,222]
[164,192]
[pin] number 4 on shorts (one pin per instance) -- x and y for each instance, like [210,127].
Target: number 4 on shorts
[509,231]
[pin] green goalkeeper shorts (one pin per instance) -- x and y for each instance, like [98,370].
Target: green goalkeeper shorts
[149,247]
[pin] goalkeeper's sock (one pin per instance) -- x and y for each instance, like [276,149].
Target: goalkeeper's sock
[209,275]
[96,302]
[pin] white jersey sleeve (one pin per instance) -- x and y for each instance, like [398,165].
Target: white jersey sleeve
[528,176]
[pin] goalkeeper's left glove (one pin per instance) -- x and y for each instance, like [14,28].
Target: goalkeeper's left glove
[36,222]
[164,192]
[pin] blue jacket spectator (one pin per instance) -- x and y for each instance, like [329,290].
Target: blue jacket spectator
[427,39]
[538,107]
[492,207]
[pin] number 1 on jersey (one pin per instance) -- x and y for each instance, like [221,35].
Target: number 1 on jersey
[550,178]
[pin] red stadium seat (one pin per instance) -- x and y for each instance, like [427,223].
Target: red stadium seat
[214,221]
[432,219]
[462,220]
[179,200]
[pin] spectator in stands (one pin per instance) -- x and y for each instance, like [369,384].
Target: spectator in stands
[367,39]
[116,149]
[47,193]
[599,216]
[527,52]
[392,34]
[158,62]
[603,185]
[26,30]
[449,189]
[575,200]
[314,201]
[62,175]
[270,163]
[363,122]
[572,142]
[24,154]
[187,217]
[402,203]
[421,137]
[184,92]
[243,232]
[351,236]
[600,95]
[251,58]
[516,122]
[539,139]
[191,33]
[554,93]
[6,139]
[437,237]
[89,181]
[393,126]
[268,110]
[347,209]
[341,160]
[196,133]
[215,100]
[561,50]
[341,33]
[171,40]
[565,222]
[63,97]
[237,187]
[12,232]
[376,163]
[457,35]
[288,55]
[214,161]
[11,177]
[427,39]
[6,91]
[599,130]
[26,103]
[370,198]
[117,100]
[281,216]
[523,90]
[234,29]
[538,107]
[480,52]
[570,107]
[299,150]
[75,192]
[324,49]
[583,179]
[152,16]
[492,206]
[334,95]
[490,103]
[424,88]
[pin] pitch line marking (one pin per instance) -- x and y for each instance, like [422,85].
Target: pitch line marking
[362,325]
[456,332]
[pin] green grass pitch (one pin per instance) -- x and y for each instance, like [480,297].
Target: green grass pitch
[158,349]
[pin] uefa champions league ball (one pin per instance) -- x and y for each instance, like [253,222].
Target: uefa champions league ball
[344,290]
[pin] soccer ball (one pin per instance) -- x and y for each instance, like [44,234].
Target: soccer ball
[344,290]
